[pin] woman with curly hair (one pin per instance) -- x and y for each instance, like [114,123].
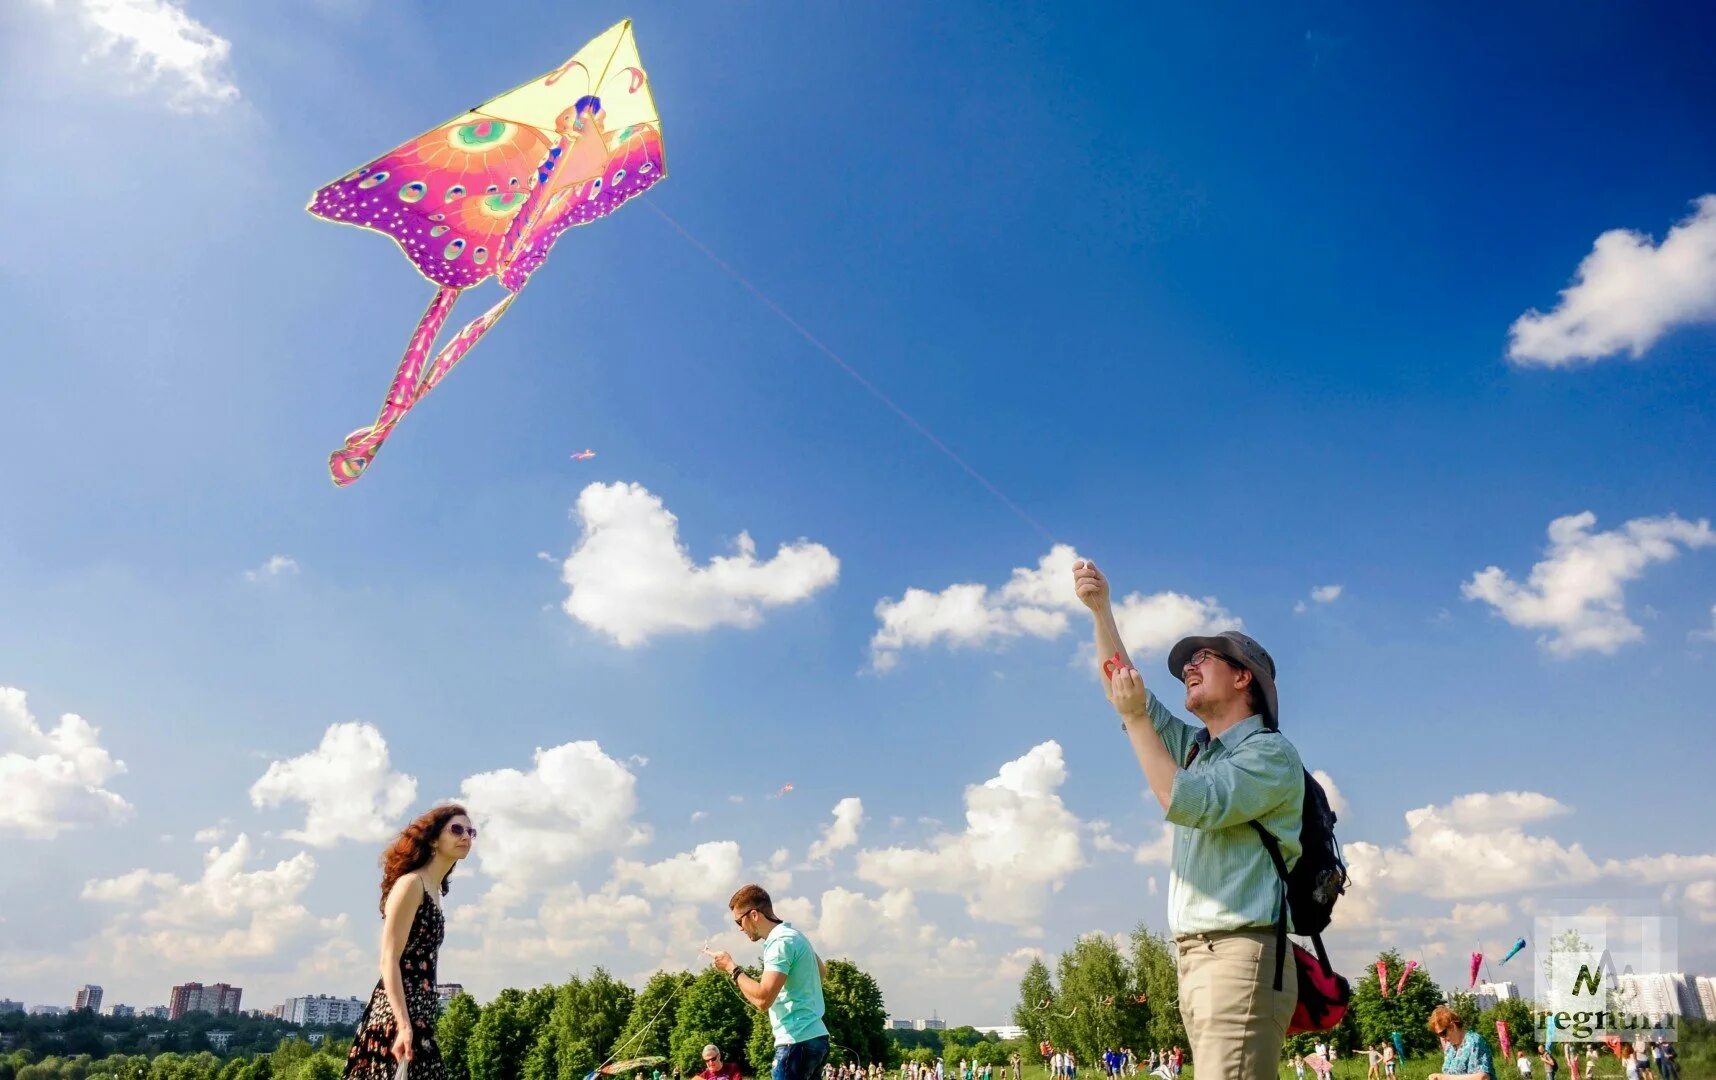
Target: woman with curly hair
[414,872]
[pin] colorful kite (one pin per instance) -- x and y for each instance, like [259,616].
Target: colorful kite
[1501,1037]
[488,193]
[1513,952]
[1382,976]
[1404,975]
[584,455]
[1477,962]
[1549,1026]
[785,789]
[1399,1045]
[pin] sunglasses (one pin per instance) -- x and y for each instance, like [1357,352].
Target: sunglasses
[740,921]
[459,830]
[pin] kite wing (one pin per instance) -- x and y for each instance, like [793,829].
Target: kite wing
[488,192]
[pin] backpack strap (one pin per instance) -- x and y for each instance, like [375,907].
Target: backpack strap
[1274,848]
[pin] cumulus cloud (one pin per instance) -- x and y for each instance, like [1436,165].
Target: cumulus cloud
[1019,844]
[1035,602]
[347,785]
[276,566]
[1576,594]
[1337,801]
[631,578]
[229,915]
[707,874]
[842,832]
[1626,294]
[154,46]
[576,802]
[54,779]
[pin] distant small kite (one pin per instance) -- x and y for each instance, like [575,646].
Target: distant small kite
[584,455]
[786,789]
[1477,962]
[1513,952]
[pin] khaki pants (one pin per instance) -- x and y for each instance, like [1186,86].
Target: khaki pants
[1235,1019]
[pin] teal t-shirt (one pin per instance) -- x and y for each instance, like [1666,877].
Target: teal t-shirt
[796,1015]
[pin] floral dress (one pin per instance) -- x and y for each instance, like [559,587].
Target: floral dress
[371,1056]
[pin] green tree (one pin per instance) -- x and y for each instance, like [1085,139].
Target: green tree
[1156,976]
[1465,1007]
[649,1028]
[1093,1011]
[1407,1011]
[453,1033]
[1034,989]
[760,1047]
[1521,1028]
[502,1038]
[856,1017]
[710,1011]
[588,1016]
[318,1067]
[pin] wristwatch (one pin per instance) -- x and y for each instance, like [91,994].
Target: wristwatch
[734,974]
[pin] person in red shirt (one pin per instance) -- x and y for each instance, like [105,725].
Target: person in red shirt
[714,1068]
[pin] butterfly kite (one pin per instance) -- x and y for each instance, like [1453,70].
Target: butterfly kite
[489,192]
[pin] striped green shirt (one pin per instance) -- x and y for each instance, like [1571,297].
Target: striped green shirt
[1222,877]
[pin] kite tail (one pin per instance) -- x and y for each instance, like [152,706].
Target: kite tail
[410,384]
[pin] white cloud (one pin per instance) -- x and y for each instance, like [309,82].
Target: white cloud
[1337,801]
[1626,295]
[1576,593]
[698,815]
[158,46]
[1156,851]
[1035,602]
[54,780]
[276,566]
[1019,844]
[347,785]
[575,802]
[631,578]
[228,915]
[1709,633]
[1321,594]
[213,834]
[842,832]
[1700,899]
[707,874]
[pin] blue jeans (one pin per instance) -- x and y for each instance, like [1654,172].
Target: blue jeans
[801,1060]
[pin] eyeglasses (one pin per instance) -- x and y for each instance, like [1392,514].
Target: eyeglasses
[1200,656]
[740,921]
[459,830]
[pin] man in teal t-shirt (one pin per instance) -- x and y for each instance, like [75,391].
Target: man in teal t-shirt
[790,990]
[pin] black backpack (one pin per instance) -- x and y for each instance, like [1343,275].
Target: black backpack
[1316,881]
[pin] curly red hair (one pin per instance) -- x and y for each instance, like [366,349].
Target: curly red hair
[414,847]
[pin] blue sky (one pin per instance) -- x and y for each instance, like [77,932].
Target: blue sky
[1223,299]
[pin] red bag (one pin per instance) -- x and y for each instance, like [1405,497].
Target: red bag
[1323,994]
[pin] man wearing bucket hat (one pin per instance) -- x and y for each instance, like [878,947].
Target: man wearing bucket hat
[1213,780]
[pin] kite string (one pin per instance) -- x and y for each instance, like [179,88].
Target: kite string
[615,1054]
[873,390]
